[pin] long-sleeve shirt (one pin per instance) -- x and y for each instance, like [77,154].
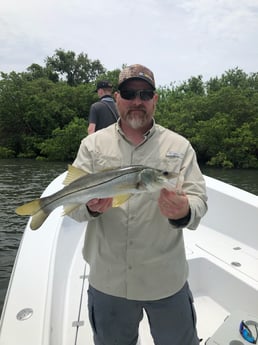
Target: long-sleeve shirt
[133,250]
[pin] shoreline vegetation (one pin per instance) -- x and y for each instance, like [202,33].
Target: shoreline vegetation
[44,111]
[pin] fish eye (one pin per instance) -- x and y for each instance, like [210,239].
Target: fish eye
[165,173]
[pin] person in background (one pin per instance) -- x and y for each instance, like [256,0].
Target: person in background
[136,251]
[102,113]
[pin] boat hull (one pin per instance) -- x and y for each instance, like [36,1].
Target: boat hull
[46,302]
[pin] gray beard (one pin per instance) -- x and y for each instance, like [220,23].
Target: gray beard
[137,122]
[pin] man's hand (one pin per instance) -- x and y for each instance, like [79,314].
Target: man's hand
[99,205]
[173,205]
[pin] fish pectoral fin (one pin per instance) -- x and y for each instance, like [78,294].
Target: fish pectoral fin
[73,174]
[69,208]
[118,200]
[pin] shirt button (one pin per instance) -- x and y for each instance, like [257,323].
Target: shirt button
[130,242]
[129,267]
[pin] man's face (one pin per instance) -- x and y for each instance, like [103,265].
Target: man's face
[136,113]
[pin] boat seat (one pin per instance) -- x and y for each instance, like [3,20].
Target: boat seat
[228,333]
[228,250]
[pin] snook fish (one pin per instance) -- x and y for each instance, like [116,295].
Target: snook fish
[80,187]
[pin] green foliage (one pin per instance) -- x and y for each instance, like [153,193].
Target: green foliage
[111,76]
[220,160]
[64,142]
[43,111]
[30,110]
[11,110]
[75,70]
[220,117]
[6,153]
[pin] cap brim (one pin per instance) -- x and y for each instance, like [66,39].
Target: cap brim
[136,78]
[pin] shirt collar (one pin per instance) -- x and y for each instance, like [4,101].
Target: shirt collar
[106,98]
[146,135]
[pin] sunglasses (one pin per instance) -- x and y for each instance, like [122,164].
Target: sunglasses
[247,333]
[145,95]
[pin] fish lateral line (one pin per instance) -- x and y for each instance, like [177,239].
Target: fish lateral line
[34,206]
[120,184]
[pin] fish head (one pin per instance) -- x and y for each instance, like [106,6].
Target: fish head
[151,179]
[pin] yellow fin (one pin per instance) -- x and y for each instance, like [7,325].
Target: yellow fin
[38,219]
[120,199]
[69,208]
[29,209]
[33,209]
[73,174]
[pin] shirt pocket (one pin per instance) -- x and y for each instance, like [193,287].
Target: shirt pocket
[104,162]
[171,163]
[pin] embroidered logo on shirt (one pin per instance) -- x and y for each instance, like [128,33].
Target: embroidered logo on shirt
[173,154]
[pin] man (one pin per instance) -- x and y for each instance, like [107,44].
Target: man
[136,251]
[104,112]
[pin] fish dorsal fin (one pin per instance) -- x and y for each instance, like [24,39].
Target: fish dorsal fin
[73,174]
[118,200]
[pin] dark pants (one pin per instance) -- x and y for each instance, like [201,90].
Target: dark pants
[115,320]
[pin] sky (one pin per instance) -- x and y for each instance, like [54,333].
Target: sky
[176,39]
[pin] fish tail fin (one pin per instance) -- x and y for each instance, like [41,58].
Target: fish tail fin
[35,210]
[29,209]
[38,219]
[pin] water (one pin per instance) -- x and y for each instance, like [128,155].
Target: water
[20,181]
[246,179]
[24,180]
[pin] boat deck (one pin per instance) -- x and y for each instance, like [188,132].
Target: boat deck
[217,276]
[48,286]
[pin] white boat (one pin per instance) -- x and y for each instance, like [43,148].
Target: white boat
[46,302]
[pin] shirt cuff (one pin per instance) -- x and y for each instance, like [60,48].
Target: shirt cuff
[182,221]
[92,213]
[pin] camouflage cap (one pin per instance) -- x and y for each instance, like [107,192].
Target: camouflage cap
[136,72]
